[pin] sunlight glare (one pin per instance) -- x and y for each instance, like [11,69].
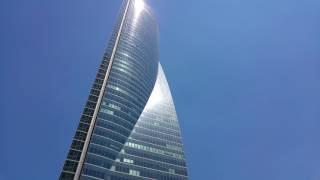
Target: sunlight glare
[156,97]
[138,6]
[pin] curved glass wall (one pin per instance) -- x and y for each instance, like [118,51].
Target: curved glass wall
[129,128]
[153,149]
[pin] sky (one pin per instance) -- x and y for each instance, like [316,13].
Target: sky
[245,78]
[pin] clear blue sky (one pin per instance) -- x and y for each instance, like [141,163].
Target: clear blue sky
[245,76]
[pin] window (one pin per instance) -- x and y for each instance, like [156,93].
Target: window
[118,89]
[134,172]
[114,106]
[107,111]
[171,171]
[130,161]
[70,166]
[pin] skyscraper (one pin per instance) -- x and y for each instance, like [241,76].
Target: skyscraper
[129,128]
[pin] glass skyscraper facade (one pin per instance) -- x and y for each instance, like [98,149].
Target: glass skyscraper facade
[129,128]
